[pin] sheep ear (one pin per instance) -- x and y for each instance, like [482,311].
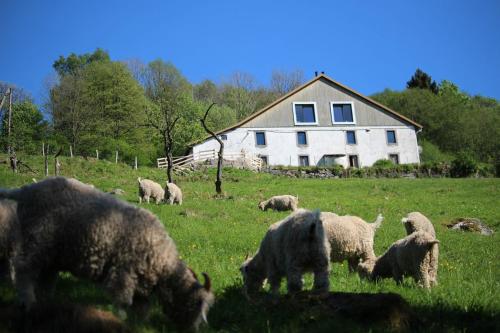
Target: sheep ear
[208,284]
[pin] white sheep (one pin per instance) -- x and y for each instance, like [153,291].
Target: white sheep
[150,189]
[417,221]
[290,248]
[10,237]
[74,228]
[173,194]
[350,238]
[280,203]
[415,255]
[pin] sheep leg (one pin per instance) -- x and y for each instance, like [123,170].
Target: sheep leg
[141,306]
[422,278]
[397,275]
[121,286]
[140,200]
[294,280]
[321,281]
[353,264]
[275,282]
[25,286]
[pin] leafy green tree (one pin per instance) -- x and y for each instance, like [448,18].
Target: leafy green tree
[28,130]
[422,80]
[74,63]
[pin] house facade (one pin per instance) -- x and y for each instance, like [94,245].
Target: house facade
[322,123]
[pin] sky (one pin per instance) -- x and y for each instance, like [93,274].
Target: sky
[366,45]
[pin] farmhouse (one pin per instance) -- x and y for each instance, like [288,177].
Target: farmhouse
[321,123]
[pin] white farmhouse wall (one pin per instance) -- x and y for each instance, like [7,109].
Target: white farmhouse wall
[282,148]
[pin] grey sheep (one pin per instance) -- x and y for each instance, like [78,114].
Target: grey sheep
[290,248]
[173,194]
[10,237]
[68,226]
[150,189]
[280,203]
[350,238]
[417,221]
[415,256]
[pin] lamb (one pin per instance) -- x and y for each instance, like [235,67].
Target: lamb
[150,189]
[290,248]
[416,221]
[173,194]
[350,238]
[415,256]
[10,238]
[280,203]
[72,227]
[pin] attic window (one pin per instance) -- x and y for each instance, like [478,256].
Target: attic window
[304,113]
[223,137]
[343,113]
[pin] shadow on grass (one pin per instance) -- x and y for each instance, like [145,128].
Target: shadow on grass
[353,312]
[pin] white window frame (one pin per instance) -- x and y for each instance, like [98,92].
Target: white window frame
[265,139]
[308,160]
[349,161]
[332,103]
[307,139]
[355,138]
[395,137]
[305,124]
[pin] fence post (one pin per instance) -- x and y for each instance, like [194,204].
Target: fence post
[97,153]
[70,151]
[116,157]
[43,148]
[46,162]
[135,164]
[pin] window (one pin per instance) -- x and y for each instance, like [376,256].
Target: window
[328,160]
[353,161]
[264,160]
[343,113]
[223,137]
[260,138]
[391,137]
[394,158]
[301,138]
[303,160]
[351,137]
[304,113]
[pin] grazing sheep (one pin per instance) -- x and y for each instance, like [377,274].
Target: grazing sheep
[150,189]
[280,203]
[415,256]
[173,194]
[68,226]
[10,237]
[290,248]
[350,238]
[416,221]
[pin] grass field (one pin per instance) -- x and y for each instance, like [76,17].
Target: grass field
[214,235]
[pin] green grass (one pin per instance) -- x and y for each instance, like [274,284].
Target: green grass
[214,235]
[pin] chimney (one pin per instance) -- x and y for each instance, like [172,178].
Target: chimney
[316,73]
[323,73]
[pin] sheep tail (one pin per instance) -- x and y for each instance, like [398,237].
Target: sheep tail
[12,194]
[378,222]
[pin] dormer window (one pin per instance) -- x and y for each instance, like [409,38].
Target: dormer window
[343,113]
[304,113]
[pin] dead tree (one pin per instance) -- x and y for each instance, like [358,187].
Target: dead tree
[218,181]
[46,161]
[10,150]
[57,165]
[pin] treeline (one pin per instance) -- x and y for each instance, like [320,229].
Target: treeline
[151,110]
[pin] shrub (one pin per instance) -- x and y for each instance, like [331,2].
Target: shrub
[383,164]
[463,165]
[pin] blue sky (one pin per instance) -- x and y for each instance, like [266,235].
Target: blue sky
[367,45]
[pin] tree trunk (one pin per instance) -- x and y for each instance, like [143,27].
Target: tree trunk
[10,149]
[70,151]
[218,181]
[168,152]
[57,165]
[135,163]
[46,161]
[116,157]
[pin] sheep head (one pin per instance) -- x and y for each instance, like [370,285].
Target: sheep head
[365,269]
[185,300]
[253,278]
[262,205]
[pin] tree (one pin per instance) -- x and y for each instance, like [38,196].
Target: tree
[423,81]
[238,94]
[218,181]
[171,97]
[283,82]
[73,64]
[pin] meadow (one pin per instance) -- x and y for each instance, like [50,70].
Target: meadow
[214,234]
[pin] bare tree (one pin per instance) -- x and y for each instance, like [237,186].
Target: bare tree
[283,82]
[10,149]
[57,165]
[218,182]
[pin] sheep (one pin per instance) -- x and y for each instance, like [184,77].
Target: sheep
[290,248]
[350,238]
[416,221]
[10,237]
[280,203]
[173,194]
[415,256]
[150,189]
[68,226]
